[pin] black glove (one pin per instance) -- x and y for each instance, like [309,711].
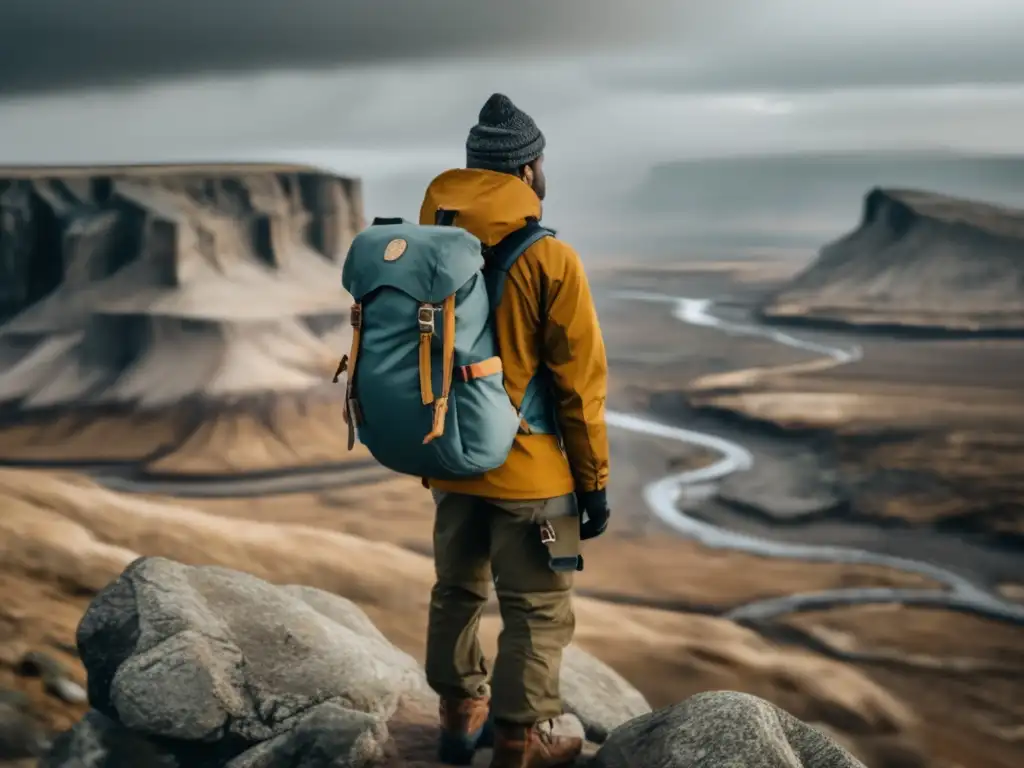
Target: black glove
[594,513]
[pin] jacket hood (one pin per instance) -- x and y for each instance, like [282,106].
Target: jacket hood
[490,204]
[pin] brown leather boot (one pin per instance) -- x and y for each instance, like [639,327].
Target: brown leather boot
[520,746]
[462,725]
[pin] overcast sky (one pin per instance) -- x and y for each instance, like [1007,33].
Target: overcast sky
[391,87]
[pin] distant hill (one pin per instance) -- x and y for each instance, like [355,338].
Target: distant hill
[798,199]
[917,260]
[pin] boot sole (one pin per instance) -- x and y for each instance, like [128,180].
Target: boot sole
[460,750]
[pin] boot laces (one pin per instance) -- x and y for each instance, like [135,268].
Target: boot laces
[545,731]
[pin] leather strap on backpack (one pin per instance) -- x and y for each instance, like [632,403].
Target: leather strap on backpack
[342,367]
[426,323]
[351,414]
[442,218]
[448,357]
[488,367]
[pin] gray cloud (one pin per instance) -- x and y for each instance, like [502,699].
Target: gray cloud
[690,45]
[718,77]
[63,44]
[821,45]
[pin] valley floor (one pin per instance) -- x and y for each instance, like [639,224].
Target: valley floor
[903,686]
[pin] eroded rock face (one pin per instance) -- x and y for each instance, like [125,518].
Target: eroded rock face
[722,729]
[918,260]
[143,287]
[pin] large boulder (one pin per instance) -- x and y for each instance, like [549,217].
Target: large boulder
[210,662]
[598,695]
[722,729]
[330,736]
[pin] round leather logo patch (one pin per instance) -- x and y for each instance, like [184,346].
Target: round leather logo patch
[395,249]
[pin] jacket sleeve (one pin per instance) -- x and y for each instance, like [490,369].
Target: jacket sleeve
[552,296]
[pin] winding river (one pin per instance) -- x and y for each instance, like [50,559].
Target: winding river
[663,497]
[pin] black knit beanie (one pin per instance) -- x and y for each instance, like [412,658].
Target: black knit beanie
[504,139]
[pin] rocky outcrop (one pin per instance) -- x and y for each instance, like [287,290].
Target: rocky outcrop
[722,728]
[204,666]
[211,662]
[917,261]
[147,286]
[127,292]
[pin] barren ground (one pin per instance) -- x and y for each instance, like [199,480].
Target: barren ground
[905,686]
[923,435]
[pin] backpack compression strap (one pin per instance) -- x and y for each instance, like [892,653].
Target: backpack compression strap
[426,323]
[352,414]
[448,363]
[503,256]
[442,218]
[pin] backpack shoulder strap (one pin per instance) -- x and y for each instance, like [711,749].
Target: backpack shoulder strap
[500,258]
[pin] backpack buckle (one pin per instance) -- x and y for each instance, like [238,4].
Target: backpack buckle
[426,318]
[356,315]
[547,533]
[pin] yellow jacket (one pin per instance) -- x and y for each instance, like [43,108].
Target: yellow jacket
[564,336]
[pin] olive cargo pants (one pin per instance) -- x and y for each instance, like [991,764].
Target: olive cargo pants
[479,540]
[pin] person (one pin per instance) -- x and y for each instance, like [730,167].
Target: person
[490,527]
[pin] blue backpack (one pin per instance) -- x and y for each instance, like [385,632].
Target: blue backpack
[425,390]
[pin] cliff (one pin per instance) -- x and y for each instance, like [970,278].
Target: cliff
[790,203]
[142,290]
[918,260]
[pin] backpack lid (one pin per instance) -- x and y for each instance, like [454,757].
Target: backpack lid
[429,263]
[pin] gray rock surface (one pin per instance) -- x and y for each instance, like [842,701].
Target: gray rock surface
[598,695]
[209,656]
[721,729]
[20,735]
[98,742]
[328,737]
[203,667]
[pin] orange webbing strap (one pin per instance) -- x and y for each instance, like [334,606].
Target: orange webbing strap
[448,356]
[342,367]
[351,406]
[426,322]
[488,367]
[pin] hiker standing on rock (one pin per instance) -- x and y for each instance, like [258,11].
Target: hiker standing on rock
[521,524]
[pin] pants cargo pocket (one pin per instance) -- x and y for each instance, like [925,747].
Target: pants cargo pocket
[561,536]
